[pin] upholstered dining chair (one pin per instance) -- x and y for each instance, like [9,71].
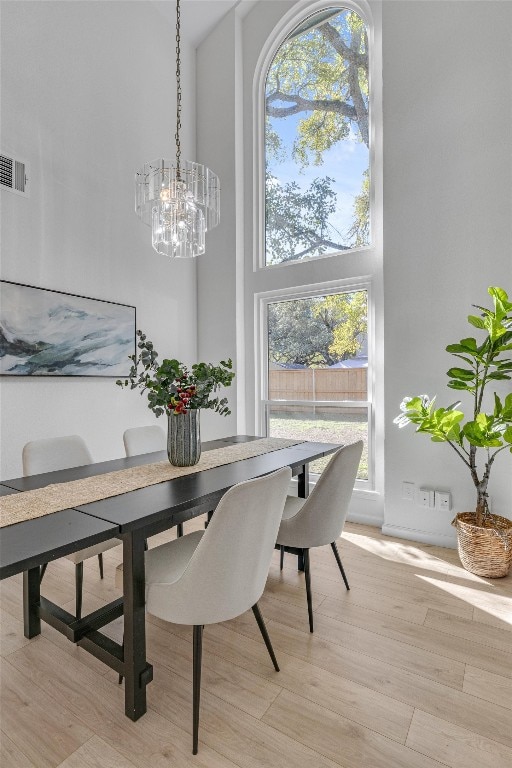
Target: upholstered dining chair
[144,440]
[148,439]
[319,519]
[211,576]
[51,454]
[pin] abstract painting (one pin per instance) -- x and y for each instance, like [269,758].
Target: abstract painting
[49,333]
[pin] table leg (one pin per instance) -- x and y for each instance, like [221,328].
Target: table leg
[134,625]
[31,599]
[303,493]
[303,482]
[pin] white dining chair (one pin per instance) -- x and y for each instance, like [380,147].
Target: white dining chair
[51,454]
[148,439]
[319,519]
[211,576]
[144,440]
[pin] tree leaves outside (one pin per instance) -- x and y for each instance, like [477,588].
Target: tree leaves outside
[318,331]
[317,115]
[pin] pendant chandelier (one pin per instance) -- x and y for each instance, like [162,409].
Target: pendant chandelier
[180,201]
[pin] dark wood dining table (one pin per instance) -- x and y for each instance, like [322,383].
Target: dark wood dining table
[132,517]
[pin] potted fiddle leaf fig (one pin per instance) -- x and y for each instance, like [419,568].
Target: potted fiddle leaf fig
[484,539]
[180,392]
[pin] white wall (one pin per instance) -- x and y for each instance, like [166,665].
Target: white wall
[217,269]
[447,221]
[447,226]
[88,97]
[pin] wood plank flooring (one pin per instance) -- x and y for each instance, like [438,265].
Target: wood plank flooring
[410,669]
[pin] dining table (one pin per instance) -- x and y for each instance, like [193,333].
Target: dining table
[132,517]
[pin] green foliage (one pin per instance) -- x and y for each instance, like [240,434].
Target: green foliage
[484,362]
[317,331]
[359,232]
[347,313]
[316,133]
[298,220]
[322,73]
[171,387]
[287,340]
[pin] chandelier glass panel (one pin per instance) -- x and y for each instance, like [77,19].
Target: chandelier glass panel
[180,201]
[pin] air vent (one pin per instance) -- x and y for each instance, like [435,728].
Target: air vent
[13,175]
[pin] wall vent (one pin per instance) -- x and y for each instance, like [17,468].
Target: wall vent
[13,175]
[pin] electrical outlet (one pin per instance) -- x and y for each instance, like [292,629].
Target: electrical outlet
[408,491]
[425,497]
[443,500]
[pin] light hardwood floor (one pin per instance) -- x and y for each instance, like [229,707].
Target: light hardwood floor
[410,669]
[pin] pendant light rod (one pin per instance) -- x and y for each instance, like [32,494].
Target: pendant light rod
[178,88]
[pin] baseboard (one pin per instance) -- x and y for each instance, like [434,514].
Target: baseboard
[424,537]
[364,518]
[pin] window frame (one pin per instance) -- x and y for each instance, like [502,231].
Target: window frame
[261,302]
[289,22]
[350,267]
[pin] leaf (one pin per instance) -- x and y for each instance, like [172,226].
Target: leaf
[466,346]
[456,384]
[461,373]
[476,321]
[507,407]
[457,349]
[481,433]
[501,296]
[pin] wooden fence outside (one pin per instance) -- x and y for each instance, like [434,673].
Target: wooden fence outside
[318,384]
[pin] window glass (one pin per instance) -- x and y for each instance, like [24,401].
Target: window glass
[317,183]
[317,370]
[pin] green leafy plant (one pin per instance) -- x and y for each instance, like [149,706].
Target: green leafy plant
[484,363]
[172,387]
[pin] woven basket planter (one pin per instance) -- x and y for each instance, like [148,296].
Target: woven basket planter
[484,550]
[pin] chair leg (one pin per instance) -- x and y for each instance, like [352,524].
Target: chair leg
[42,571]
[338,560]
[197,647]
[264,634]
[179,530]
[307,574]
[100,563]
[281,559]
[79,580]
[121,676]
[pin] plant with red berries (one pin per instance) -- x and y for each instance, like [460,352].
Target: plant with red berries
[172,387]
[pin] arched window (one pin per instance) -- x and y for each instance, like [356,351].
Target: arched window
[317,255]
[317,139]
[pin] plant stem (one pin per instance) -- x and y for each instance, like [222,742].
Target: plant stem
[459,453]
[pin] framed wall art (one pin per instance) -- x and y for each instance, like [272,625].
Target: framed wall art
[48,333]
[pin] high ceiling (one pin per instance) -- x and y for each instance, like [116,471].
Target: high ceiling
[199,17]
